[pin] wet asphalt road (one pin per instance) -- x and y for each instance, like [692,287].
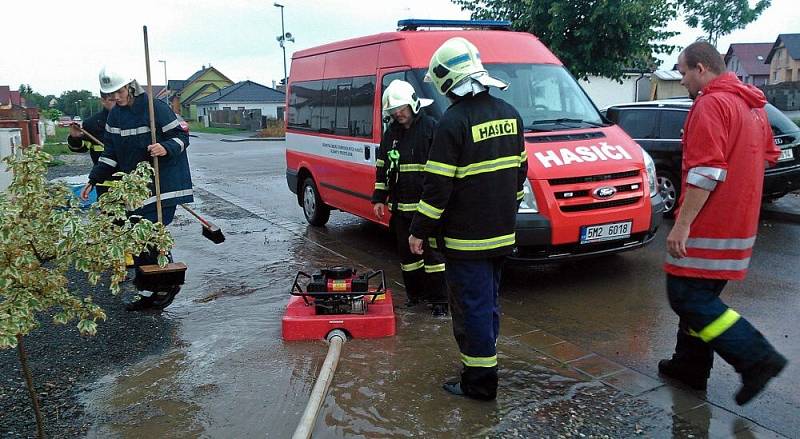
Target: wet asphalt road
[615,307]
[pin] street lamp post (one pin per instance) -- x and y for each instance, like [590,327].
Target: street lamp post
[284,36]
[166,81]
[77,103]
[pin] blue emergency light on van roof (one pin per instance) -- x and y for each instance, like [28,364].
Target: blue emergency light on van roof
[413,24]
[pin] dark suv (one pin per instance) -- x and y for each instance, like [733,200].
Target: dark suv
[658,125]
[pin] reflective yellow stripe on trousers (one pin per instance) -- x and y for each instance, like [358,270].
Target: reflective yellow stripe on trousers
[434,268]
[718,326]
[413,266]
[479,361]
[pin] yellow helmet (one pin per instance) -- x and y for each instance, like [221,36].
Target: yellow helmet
[453,62]
[400,93]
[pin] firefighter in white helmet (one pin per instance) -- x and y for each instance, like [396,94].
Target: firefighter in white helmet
[128,143]
[473,185]
[398,186]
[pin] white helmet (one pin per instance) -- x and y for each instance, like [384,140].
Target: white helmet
[111,81]
[453,62]
[400,93]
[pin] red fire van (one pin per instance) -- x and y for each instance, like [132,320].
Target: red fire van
[591,189]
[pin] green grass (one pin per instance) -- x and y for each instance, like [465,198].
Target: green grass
[56,148]
[59,138]
[198,127]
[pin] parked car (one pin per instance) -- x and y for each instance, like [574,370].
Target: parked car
[77,120]
[658,127]
[64,121]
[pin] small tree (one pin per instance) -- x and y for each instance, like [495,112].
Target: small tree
[721,17]
[52,114]
[44,234]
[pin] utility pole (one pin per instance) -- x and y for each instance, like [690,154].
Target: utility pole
[285,36]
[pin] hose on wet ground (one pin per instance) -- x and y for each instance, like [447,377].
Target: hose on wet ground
[335,340]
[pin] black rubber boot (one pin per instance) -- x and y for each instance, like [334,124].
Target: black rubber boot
[454,387]
[140,303]
[697,380]
[163,300]
[756,378]
[411,303]
[439,310]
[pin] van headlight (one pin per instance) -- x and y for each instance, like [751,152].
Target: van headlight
[650,170]
[528,204]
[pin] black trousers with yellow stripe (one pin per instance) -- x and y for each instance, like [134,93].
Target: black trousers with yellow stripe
[708,325]
[423,275]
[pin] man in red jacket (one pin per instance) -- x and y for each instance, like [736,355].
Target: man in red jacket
[727,140]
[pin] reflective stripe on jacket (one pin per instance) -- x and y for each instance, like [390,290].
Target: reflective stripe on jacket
[727,139]
[476,168]
[127,138]
[413,145]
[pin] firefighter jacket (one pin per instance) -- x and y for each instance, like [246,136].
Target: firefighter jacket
[400,182]
[474,179]
[727,139]
[94,125]
[127,138]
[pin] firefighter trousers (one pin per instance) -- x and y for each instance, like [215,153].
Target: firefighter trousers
[708,325]
[474,304]
[423,275]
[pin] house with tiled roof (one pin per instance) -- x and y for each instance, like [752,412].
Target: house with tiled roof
[10,97]
[748,62]
[202,83]
[784,59]
[245,95]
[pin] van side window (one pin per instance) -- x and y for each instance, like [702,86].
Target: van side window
[672,124]
[305,101]
[639,124]
[362,106]
[342,106]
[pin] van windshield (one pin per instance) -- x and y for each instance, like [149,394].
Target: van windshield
[547,97]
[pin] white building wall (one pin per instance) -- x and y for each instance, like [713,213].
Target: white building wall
[10,142]
[605,92]
[269,109]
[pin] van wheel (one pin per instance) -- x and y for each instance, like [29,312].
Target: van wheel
[670,191]
[316,212]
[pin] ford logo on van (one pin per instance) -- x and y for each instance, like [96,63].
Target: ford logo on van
[604,192]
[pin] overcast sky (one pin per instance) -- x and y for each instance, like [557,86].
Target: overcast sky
[58,45]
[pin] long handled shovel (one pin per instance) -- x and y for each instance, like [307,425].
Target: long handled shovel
[154,277]
[210,230]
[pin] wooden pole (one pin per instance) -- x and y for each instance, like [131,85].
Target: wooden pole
[152,125]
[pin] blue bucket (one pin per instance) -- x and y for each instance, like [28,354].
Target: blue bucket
[76,190]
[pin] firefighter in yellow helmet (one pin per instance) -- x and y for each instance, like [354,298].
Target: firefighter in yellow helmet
[398,186]
[473,185]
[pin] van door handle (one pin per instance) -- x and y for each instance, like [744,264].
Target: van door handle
[367,152]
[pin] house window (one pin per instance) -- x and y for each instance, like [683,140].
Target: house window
[226,108]
[240,108]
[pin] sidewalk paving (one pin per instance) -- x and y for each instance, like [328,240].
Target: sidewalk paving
[681,410]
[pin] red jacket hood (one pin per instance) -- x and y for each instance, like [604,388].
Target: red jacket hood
[728,82]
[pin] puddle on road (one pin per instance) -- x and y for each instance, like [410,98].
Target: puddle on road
[233,376]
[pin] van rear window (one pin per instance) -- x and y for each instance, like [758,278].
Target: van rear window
[341,106]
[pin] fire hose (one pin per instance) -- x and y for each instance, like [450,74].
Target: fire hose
[335,340]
